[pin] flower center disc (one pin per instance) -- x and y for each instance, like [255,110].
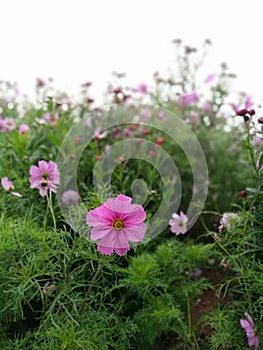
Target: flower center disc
[118,224]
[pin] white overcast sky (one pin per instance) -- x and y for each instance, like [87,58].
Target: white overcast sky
[78,40]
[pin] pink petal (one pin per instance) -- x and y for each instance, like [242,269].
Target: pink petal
[34,171]
[100,215]
[43,166]
[135,217]
[121,251]
[108,240]
[121,240]
[42,192]
[250,319]
[16,194]
[245,324]
[135,234]
[5,183]
[123,198]
[105,250]
[99,232]
[119,207]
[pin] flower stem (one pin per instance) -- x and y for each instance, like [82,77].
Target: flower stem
[49,203]
[82,306]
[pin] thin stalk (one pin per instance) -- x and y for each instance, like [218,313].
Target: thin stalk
[82,306]
[49,203]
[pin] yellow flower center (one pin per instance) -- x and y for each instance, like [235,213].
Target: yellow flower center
[118,224]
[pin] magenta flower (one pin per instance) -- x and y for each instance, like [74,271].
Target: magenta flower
[44,177]
[9,187]
[187,99]
[23,129]
[178,223]
[115,223]
[249,327]
[70,197]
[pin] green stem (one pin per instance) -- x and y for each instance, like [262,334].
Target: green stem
[49,202]
[82,306]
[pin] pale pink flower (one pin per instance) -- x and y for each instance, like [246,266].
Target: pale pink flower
[142,89]
[162,116]
[257,142]
[115,223]
[206,107]
[249,327]
[178,223]
[3,125]
[229,221]
[51,119]
[10,123]
[23,129]
[48,288]
[44,177]
[210,78]
[9,187]
[70,197]
[193,117]
[187,99]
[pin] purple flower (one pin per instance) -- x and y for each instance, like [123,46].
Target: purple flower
[115,223]
[187,99]
[70,197]
[178,223]
[249,327]
[44,177]
[23,129]
[9,187]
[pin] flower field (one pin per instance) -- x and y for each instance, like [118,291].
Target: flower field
[136,223]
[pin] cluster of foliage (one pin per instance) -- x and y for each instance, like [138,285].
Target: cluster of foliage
[59,292]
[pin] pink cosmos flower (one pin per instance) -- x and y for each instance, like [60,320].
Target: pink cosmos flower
[210,78]
[44,177]
[142,89]
[51,119]
[115,223]
[249,327]
[229,221]
[3,125]
[187,99]
[23,129]
[70,197]
[206,107]
[178,223]
[257,142]
[10,123]
[9,187]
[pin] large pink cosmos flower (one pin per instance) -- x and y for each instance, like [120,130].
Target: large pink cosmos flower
[44,177]
[178,223]
[115,223]
[249,327]
[9,187]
